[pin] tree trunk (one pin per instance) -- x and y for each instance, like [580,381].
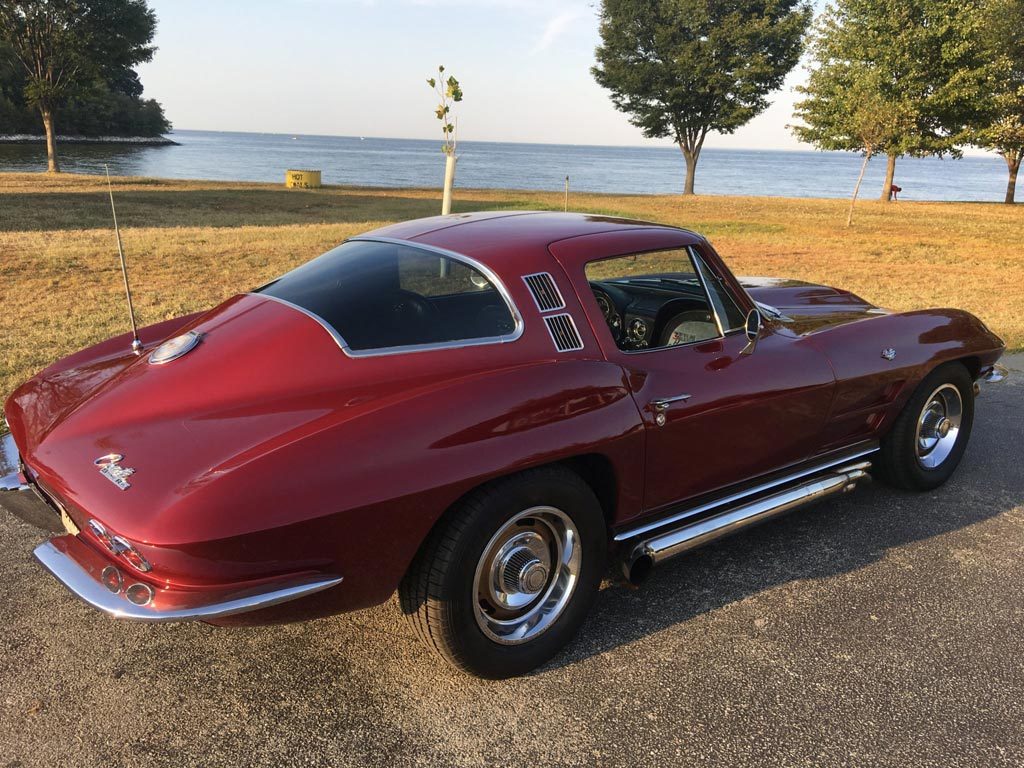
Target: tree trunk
[691,168]
[51,142]
[856,189]
[449,182]
[890,173]
[1013,163]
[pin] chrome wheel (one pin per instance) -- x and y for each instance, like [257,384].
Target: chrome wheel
[526,575]
[938,426]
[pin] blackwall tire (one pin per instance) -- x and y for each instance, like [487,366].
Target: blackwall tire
[929,437]
[508,576]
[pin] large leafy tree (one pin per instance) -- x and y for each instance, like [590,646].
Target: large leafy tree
[999,122]
[68,48]
[915,60]
[684,68]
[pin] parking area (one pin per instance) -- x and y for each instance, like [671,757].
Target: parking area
[881,628]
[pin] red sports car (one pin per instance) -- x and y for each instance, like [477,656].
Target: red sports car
[478,411]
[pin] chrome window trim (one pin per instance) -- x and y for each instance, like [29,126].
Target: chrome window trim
[320,321]
[703,244]
[703,271]
[486,271]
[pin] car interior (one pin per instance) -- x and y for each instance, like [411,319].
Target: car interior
[659,299]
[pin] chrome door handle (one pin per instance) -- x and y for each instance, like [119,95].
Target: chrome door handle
[662,404]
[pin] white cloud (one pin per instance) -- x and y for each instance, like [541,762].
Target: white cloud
[554,29]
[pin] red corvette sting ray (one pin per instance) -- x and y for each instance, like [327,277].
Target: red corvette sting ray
[481,411]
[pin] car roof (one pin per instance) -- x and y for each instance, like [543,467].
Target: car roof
[499,235]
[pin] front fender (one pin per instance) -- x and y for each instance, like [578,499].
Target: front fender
[871,389]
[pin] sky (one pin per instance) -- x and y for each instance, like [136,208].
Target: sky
[359,68]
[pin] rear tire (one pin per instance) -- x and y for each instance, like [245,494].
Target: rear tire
[507,578]
[929,437]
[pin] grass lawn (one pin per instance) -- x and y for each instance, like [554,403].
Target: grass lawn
[192,244]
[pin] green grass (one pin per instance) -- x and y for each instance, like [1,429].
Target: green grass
[192,244]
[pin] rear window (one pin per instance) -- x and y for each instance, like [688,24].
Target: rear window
[386,296]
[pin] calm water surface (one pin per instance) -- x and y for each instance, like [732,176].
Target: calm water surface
[419,163]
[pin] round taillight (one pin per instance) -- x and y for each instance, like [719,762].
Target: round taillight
[139,594]
[111,578]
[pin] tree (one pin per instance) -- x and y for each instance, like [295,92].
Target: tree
[915,59]
[999,123]
[67,47]
[684,68]
[848,113]
[448,92]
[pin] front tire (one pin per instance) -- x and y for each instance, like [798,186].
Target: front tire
[930,435]
[506,580]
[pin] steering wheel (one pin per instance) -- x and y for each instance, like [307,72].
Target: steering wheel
[409,306]
[412,312]
[688,327]
[609,311]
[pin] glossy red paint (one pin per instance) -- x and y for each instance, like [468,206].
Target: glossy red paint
[269,453]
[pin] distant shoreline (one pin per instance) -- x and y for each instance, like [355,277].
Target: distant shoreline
[398,163]
[146,141]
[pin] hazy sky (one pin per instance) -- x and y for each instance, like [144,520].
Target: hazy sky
[358,67]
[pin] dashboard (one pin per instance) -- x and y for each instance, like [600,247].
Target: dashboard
[654,312]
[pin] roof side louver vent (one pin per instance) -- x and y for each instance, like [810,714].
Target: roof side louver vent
[544,291]
[563,332]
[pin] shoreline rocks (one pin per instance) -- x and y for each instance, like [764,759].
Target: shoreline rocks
[30,138]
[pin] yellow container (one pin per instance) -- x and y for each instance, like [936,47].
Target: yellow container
[295,179]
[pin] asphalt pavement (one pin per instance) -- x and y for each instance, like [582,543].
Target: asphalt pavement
[880,628]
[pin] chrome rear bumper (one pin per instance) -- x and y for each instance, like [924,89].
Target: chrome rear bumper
[18,495]
[81,570]
[990,374]
[994,373]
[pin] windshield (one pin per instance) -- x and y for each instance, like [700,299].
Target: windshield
[386,296]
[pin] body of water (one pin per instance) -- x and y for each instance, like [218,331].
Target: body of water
[419,163]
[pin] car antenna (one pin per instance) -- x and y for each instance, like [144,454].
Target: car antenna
[136,344]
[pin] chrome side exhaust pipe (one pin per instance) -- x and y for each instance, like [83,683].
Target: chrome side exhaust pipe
[650,552]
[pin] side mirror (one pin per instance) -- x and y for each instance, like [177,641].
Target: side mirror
[752,328]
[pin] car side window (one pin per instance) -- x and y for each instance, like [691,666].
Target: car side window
[436,275]
[382,296]
[654,300]
[729,314]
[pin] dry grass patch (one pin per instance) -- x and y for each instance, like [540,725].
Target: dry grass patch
[193,244]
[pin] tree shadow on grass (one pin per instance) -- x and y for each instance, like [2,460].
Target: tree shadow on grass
[52,211]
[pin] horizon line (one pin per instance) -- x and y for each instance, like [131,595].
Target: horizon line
[968,151]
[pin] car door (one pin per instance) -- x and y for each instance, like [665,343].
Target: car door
[714,415]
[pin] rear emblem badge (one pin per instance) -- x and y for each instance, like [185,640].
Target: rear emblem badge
[888,353]
[113,471]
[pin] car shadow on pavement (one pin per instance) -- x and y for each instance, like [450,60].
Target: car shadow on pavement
[836,536]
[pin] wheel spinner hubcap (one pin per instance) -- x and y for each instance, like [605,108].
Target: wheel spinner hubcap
[938,426]
[526,575]
[520,570]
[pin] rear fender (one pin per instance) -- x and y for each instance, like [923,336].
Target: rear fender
[359,499]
